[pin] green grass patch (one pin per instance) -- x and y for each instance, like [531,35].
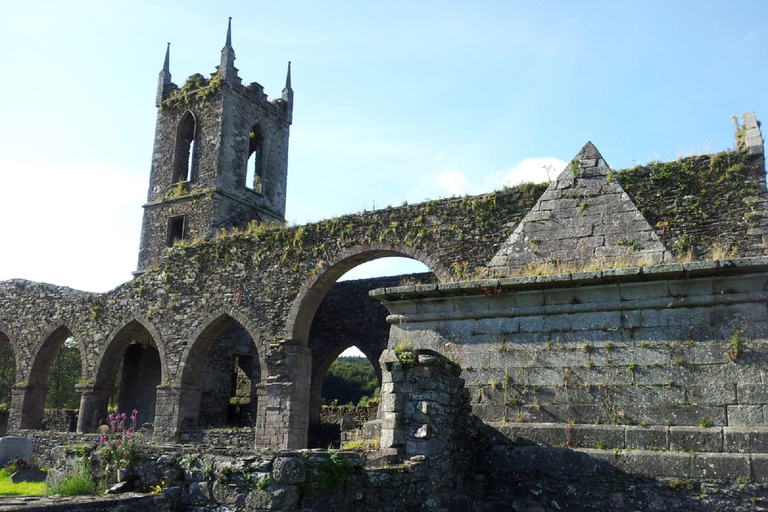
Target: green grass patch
[21,489]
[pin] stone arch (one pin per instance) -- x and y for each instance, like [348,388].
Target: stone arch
[149,371]
[7,344]
[314,289]
[35,388]
[5,340]
[321,371]
[204,373]
[184,155]
[118,340]
[201,341]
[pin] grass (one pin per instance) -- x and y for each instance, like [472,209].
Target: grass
[80,484]
[21,489]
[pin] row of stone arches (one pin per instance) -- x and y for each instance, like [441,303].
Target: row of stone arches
[132,369]
[133,364]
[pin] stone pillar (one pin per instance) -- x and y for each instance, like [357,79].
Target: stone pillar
[283,414]
[176,413]
[94,402]
[425,409]
[26,407]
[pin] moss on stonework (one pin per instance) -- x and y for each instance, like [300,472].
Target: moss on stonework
[685,198]
[451,227]
[196,88]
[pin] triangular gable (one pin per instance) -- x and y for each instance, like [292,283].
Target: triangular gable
[584,216]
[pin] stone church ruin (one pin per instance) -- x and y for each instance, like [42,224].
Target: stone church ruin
[610,309]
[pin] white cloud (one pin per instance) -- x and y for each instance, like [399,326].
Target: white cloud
[452,183]
[535,170]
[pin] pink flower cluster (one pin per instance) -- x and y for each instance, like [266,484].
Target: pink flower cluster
[121,445]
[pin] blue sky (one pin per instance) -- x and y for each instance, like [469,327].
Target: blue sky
[395,101]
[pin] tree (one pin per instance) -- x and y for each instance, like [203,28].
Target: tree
[349,379]
[64,374]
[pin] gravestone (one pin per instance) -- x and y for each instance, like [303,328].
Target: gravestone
[12,447]
[28,475]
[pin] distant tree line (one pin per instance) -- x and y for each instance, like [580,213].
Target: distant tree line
[64,374]
[350,380]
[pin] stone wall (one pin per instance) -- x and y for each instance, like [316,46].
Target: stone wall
[359,415]
[435,459]
[679,345]
[271,282]
[60,420]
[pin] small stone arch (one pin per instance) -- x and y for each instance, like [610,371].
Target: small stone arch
[314,289]
[192,359]
[5,339]
[254,171]
[35,388]
[7,344]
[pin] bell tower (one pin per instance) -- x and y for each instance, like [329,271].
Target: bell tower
[220,157]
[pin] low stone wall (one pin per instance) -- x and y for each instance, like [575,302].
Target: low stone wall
[434,457]
[226,437]
[359,415]
[60,420]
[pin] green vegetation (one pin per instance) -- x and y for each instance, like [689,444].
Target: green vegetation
[21,489]
[332,473]
[736,346]
[64,374]
[433,224]
[196,87]
[677,196]
[350,380]
[79,484]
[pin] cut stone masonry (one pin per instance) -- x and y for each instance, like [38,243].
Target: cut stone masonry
[624,346]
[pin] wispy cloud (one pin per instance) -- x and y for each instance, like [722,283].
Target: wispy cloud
[535,170]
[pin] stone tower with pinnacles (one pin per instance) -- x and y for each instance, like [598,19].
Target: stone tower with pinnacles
[220,157]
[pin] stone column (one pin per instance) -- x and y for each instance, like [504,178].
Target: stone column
[283,414]
[27,404]
[94,402]
[176,413]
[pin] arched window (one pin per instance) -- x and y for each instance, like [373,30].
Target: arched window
[253,174]
[185,148]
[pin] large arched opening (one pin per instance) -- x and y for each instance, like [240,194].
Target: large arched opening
[310,296]
[36,389]
[129,372]
[222,369]
[336,315]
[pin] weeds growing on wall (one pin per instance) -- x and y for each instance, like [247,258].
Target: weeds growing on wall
[684,197]
[332,473]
